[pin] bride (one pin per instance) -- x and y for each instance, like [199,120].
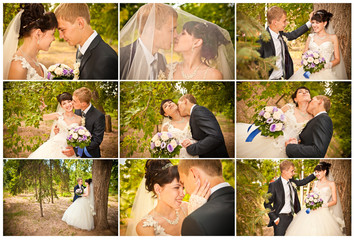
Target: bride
[176,124]
[296,117]
[66,119]
[327,220]
[80,213]
[163,217]
[326,43]
[36,27]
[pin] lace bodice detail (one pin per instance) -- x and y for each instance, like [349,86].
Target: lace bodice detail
[31,72]
[179,134]
[326,49]
[172,67]
[149,221]
[324,192]
[62,125]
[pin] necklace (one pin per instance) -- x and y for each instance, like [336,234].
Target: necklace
[192,75]
[304,115]
[70,118]
[180,121]
[26,56]
[172,222]
[321,37]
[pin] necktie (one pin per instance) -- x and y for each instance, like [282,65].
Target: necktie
[79,56]
[83,114]
[291,198]
[282,54]
[154,69]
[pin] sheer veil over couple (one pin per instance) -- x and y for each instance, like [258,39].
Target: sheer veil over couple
[322,41]
[195,127]
[158,209]
[95,59]
[80,213]
[85,115]
[307,131]
[283,203]
[205,50]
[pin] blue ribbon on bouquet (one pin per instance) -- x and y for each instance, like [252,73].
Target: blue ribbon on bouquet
[253,134]
[80,151]
[308,211]
[307,74]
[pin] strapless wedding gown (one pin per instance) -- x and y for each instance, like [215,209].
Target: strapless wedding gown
[181,135]
[318,222]
[80,214]
[56,144]
[326,49]
[267,147]
[31,72]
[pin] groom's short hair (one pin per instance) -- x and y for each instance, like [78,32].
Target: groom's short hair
[211,167]
[326,102]
[190,98]
[285,165]
[83,94]
[275,13]
[70,11]
[78,179]
[162,14]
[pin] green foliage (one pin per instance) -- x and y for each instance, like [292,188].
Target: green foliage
[22,102]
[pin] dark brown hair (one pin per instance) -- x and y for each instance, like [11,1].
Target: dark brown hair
[322,16]
[162,112]
[64,96]
[323,166]
[295,93]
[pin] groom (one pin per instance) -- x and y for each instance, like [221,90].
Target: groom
[283,201]
[317,134]
[141,59]
[277,21]
[78,186]
[217,216]
[94,123]
[97,59]
[205,128]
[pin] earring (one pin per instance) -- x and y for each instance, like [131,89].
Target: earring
[158,196]
[193,48]
[38,42]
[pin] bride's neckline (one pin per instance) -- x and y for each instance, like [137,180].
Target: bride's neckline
[22,58]
[319,45]
[179,128]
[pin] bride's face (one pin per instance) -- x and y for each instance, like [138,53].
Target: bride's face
[67,105]
[169,108]
[172,194]
[318,26]
[184,42]
[46,39]
[303,95]
[320,174]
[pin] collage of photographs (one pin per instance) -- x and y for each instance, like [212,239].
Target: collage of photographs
[107,108]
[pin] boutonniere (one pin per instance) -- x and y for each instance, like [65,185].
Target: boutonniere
[294,185]
[76,70]
[285,39]
[83,121]
[161,76]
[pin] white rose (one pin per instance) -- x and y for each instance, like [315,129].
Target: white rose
[310,59]
[277,115]
[154,138]
[65,66]
[158,143]
[71,132]
[87,133]
[81,132]
[76,71]
[278,127]
[315,200]
[306,200]
[52,68]
[315,55]
[77,65]
[311,198]
[315,195]
[75,136]
[173,143]
[269,109]
[266,115]
[316,61]
[305,62]
[309,52]
[164,137]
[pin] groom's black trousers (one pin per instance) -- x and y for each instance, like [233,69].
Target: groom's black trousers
[285,220]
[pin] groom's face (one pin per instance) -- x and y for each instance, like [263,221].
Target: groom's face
[289,173]
[165,35]
[80,182]
[69,32]
[182,107]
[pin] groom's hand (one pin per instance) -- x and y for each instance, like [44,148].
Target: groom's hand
[56,130]
[311,14]
[291,141]
[69,151]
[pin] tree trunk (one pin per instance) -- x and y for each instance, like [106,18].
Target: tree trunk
[40,189]
[108,124]
[101,173]
[341,21]
[341,171]
[51,179]
[35,187]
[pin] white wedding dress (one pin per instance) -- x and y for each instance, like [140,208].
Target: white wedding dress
[56,144]
[180,135]
[326,49]
[173,67]
[320,222]
[31,72]
[80,213]
[267,147]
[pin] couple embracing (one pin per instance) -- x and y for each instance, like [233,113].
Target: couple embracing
[205,49]
[95,59]
[209,212]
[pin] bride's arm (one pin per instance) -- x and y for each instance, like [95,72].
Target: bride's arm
[336,59]
[17,71]
[334,195]
[144,231]
[307,44]
[87,192]
[50,116]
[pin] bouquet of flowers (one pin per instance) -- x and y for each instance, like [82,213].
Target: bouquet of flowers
[270,121]
[313,201]
[78,137]
[312,62]
[62,71]
[164,145]
[79,192]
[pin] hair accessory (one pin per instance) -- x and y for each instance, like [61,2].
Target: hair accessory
[319,12]
[205,24]
[167,166]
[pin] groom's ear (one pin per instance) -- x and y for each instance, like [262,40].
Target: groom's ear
[195,173]
[81,22]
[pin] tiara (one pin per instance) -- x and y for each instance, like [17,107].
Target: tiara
[167,166]
[319,12]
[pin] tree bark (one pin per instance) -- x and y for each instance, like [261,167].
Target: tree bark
[101,173]
[108,124]
[341,21]
[40,189]
[51,179]
[341,171]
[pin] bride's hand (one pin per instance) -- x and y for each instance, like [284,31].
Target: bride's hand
[202,191]
[185,143]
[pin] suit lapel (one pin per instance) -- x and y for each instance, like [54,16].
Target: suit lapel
[221,191]
[87,54]
[281,192]
[271,42]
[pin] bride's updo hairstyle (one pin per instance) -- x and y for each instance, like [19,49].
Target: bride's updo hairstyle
[64,96]
[322,16]
[35,17]
[295,94]
[323,166]
[210,34]
[162,112]
[89,181]
[161,172]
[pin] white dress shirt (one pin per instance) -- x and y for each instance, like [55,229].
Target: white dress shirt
[219,186]
[320,113]
[192,109]
[87,109]
[287,207]
[87,43]
[149,59]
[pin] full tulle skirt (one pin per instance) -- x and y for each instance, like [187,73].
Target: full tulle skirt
[79,214]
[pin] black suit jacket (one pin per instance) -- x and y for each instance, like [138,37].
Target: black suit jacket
[214,218]
[315,138]
[277,199]
[95,124]
[127,55]
[206,129]
[100,61]
[268,49]
[75,188]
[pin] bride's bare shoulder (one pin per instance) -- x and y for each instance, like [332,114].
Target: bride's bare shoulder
[17,71]
[214,74]
[142,230]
